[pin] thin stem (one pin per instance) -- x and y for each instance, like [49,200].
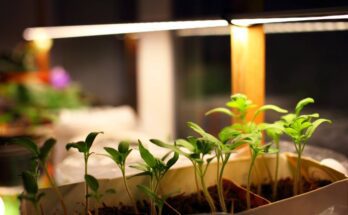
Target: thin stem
[205,191]
[172,208]
[275,183]
[196,181]
[60,197]
[253,157]
[297,180]
[86,186]
[127,189]
[220,185]
[152,205]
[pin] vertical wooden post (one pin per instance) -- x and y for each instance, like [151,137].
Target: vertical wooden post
[248,63]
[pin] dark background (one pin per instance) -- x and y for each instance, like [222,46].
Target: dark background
[298,65]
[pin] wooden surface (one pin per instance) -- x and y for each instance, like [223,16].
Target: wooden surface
[248,63]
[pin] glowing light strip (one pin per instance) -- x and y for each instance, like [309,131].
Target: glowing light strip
[110,29]
[248,22]
[305,27]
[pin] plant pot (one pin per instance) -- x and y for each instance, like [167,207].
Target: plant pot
[181,179]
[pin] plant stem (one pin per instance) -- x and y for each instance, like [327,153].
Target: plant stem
[55,188]
[275,183]
[220,185]
[196,181]
[86,186]
[253,157]
[172,208]
[128,191]
[206,192]
[297,180]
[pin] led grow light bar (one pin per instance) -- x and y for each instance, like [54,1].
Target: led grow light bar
[255,21]
[111,29]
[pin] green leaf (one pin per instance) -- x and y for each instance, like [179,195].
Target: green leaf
[80,146]
[46,148]
[220,110]
[300,105]
[204,134]
[92,182]
[29,182]
[228,133]
[186,144]
[115,155]
[27,143]
[90,139]
[123,147]
[269,107]
[172,161]
[314,126]
[168,146]
[149,159]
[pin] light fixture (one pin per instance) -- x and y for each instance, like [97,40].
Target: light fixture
[255,21]
[111,29]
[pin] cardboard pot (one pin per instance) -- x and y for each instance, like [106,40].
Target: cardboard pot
[180,179]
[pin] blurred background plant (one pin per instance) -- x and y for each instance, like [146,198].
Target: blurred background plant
[26,98]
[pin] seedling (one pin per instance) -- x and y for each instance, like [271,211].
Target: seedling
[300,129]
[84,147]
[156,169]
[119,157]
[238,108]
[274,131]
[93,184]
[40,157]
[31,188]
[198,150]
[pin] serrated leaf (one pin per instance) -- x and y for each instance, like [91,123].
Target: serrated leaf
[90,139]
[123,147]
[27,143]
[314,126]
[145,154]
[220,110]
[300,105]
[80,146]
[29,182]
[92,182]
[46,148]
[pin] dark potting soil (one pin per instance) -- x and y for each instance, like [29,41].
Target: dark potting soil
[285,188]
[196,203]
[193,203]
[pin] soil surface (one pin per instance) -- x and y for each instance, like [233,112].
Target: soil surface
[195,203]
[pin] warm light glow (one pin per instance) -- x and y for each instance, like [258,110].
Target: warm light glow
[240,34]
[42,41]
[2,207]
[248,22]
[110,29]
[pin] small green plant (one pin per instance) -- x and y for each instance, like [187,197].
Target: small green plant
[156,169]
[40,157]
[300,129]
[31,188]
[274,131]
[197,150]
[84,147]
[119,157]
[93,184]
[238,108]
